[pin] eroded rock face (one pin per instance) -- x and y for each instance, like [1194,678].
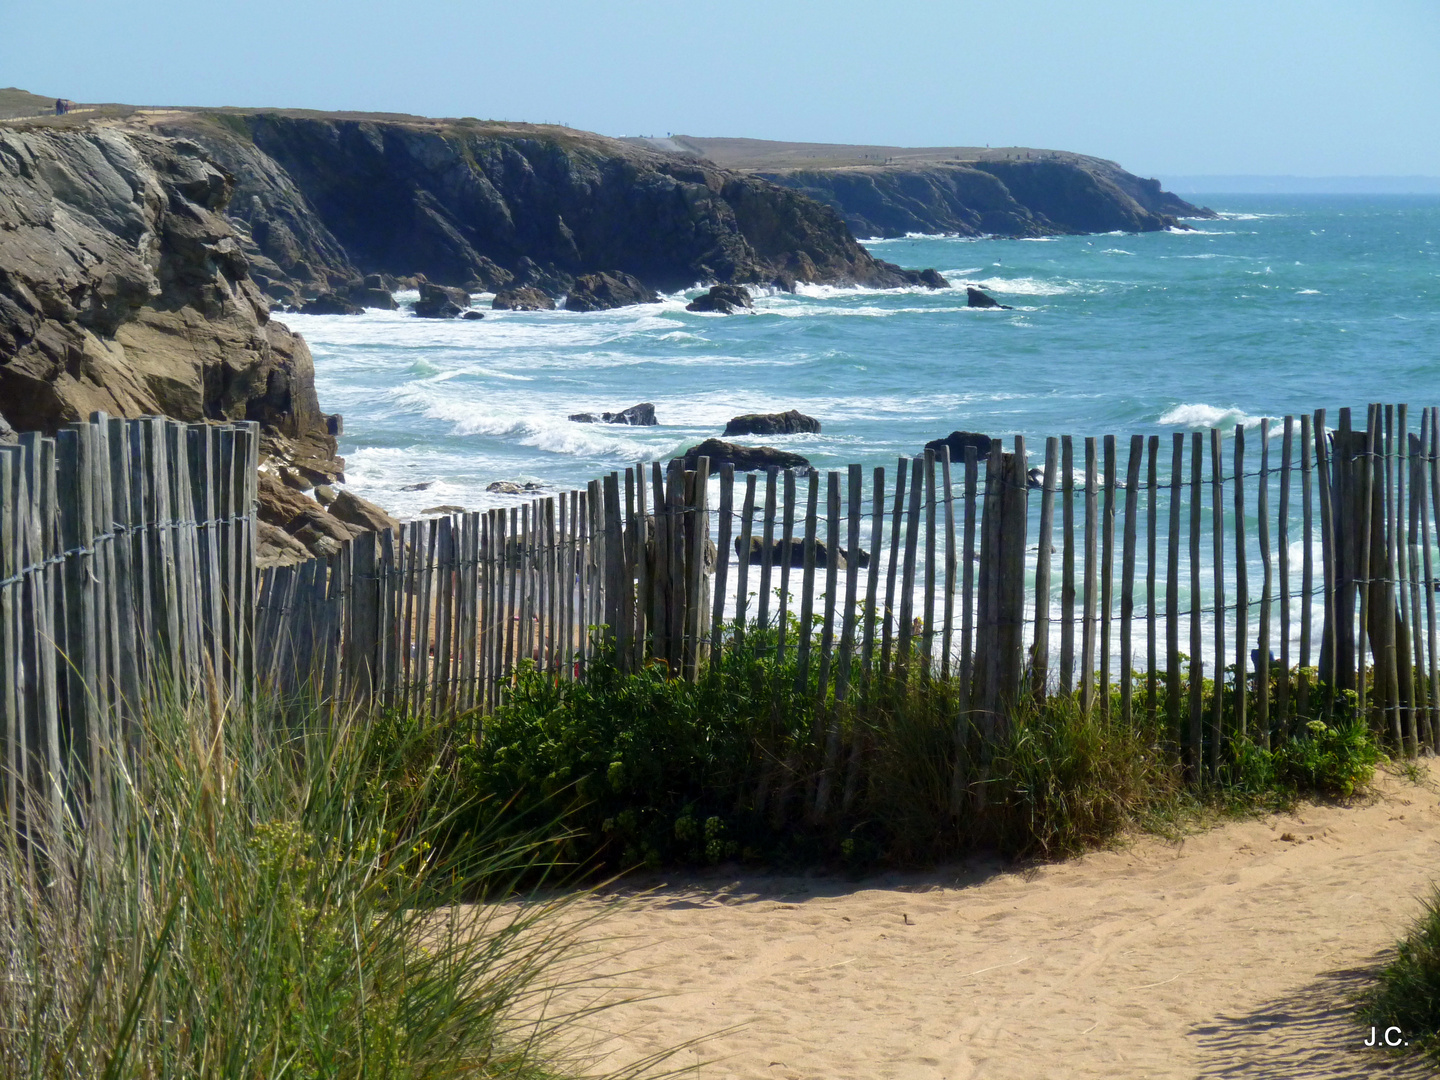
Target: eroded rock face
[123,288]
[440,301]
[793,422]
[525,298]
[606,290]
[744,458]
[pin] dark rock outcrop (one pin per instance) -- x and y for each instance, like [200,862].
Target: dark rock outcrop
[933,279]
[797,553]
[641,415]
[124,288]
[606,290]
[792,422]
[507,205]
[440,301]
[329,303]
[7,433]
[472,315]
[958,441]
[725,299]
[523,298]
[976,298]
[744,458]
[373,292]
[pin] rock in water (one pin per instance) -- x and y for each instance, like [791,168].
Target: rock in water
[525,298]
[510,487]
[797,553]
[933,279]
[472,315]
[331,303]
[793,422]
[975,298]
[641,415]
[744,458]
[373,292]
[606,290]
[725,299]
[440,301]
[959,440]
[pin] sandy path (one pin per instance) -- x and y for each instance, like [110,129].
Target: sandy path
[1230,954]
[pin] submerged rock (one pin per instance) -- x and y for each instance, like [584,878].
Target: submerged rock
[524,298]
[975,298]
[606,290]
[744,458]
[792,422]
[472,315]
[641,415]
[725,299]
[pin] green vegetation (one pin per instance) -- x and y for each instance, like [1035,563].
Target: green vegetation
[274,908]
[752,763]
[1406,993]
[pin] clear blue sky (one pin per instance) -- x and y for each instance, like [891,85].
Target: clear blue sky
[1306,87]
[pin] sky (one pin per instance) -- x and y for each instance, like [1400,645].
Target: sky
[1293,87]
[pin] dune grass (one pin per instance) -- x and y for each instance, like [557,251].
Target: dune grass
[266,906]
[1406,992]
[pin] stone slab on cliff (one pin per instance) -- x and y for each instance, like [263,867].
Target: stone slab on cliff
[124,288]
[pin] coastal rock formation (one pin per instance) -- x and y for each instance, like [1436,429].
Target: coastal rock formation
[792,422]
[361,513]
[373,292]
[933,279]
[958,441]
[976,298]
[523,298]
[641,415]
[725,299]
[7,433]
[440,301]
[888,191]
[507,205]
[744,458]
[606,290]
[124,288]
[510,487]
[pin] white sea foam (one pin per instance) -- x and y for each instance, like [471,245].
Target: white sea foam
[1199,416]
[1030,286]
[1116,251]
[1227,215]
[1307,292]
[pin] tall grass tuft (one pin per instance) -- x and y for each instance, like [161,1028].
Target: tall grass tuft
[275,905]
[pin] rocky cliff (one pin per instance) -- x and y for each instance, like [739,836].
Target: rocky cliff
[124,288]
[327,197]
[891,191]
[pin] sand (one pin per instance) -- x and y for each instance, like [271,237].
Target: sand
[1228,954]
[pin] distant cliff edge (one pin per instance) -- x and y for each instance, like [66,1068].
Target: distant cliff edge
[888,191]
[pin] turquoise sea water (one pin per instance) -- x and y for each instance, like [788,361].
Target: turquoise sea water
[1285,304]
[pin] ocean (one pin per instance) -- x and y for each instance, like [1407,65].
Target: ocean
[1284,304]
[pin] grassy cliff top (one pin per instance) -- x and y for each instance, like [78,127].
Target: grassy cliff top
[763,155]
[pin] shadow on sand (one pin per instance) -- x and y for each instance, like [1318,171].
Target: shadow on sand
[1308,1033]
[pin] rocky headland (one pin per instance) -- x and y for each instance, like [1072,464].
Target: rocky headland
[888,191]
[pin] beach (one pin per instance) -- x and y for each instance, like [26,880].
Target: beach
[1231,952]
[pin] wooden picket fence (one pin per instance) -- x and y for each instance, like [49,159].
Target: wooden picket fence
[127,569]
[438,617]
[127,572]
